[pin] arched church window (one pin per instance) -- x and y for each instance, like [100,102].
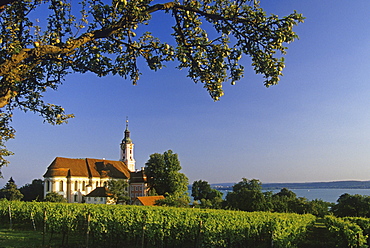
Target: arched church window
[61,186]
[76,185]
[47,186]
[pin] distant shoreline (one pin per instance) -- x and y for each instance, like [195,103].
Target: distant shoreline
[311,185]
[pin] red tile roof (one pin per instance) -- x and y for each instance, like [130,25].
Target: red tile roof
[63,167]
[149,200]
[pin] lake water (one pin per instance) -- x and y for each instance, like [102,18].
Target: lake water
[329,195]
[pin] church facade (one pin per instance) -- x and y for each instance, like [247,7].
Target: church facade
[76,178]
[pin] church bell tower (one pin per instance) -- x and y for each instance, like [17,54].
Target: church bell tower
[127,150]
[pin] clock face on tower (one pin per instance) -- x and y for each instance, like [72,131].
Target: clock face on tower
[123,147]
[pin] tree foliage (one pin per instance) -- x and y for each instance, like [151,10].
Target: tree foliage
[162,171]
[54,197]
[43,41]
[118,189]
[319,207]
[352,205]
[200,189]
[164,178]
[10,191]
[178,199]
[285,201]
[247,195]
[208,197]
[33,191]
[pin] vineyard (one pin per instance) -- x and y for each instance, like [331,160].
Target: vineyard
[85,225]
[137,226]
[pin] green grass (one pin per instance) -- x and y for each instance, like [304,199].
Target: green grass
[25,238]
[16,238]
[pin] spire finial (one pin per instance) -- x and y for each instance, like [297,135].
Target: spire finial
[127,139]
[126,122]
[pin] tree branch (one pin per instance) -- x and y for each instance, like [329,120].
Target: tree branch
[9,69]
[163,6]
[5,2]
[10,65]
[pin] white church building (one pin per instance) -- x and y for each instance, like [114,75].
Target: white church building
[75,178]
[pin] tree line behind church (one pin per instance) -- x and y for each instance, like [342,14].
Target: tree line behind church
[164,178]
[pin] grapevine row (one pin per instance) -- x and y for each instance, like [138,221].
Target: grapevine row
[346,232]
[159,226]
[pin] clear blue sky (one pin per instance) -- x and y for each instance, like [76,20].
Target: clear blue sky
[313,126]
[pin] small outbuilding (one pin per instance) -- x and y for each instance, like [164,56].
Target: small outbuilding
[99,195]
